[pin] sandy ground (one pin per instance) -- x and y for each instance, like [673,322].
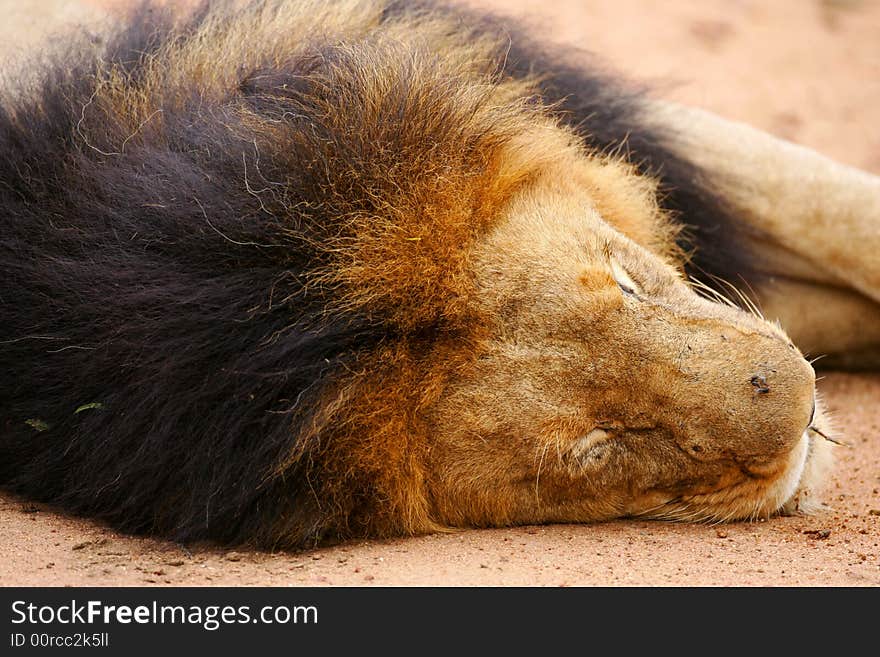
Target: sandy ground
[806,70]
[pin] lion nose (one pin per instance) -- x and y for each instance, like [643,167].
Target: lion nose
[759,383]
[783,387]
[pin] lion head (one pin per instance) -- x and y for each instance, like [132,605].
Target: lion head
[601,384]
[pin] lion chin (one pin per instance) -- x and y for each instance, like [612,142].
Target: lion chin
[790,487]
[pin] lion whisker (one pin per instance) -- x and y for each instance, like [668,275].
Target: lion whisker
[650,510]
[826,436]
[710,293]
[750,305]
[538,474]
[683,512]
[753,297]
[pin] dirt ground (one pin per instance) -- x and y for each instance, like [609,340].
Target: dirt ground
[806,70]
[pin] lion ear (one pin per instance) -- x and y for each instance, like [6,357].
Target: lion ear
[590,446]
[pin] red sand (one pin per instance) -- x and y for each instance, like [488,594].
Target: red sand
[808,71]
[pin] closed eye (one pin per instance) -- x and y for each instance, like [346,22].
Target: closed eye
[624,280]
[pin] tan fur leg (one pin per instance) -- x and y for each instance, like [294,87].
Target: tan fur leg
[814,225]
[836,323]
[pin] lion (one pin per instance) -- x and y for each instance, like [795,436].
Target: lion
[288,273]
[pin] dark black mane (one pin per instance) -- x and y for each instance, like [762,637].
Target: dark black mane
[150,378]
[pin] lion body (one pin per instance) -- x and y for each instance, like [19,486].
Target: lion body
[300,271]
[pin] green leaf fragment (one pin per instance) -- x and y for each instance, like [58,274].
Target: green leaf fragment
[86,407]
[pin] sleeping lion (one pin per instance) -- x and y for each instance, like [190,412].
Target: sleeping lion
[283,273]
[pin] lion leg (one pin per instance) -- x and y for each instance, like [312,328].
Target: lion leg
[812,224]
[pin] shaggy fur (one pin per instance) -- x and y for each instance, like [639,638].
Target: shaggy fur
[235,254]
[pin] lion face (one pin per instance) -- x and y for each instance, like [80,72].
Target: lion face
[602,385]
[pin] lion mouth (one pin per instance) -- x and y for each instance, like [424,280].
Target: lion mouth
[786,489]
[790,486]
